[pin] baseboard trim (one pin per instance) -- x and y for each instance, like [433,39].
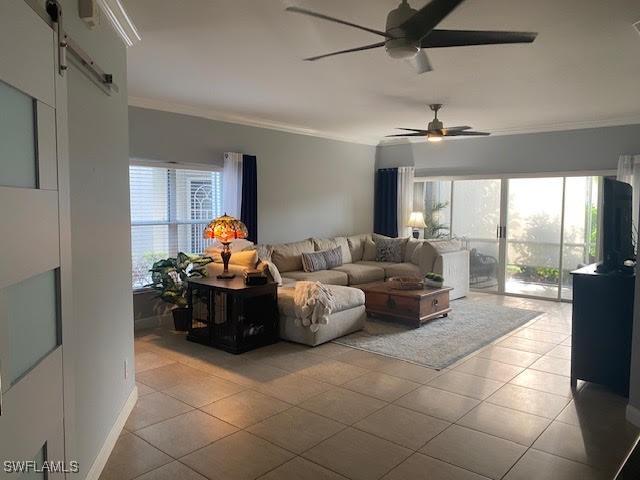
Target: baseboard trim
[112,438]
[633,415]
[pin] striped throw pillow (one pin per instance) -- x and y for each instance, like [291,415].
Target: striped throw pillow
[312,262]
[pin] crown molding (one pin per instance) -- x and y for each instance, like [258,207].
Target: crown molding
[547,128]
[211,114]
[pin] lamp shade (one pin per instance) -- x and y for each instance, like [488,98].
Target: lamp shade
[416,220]
[225,229]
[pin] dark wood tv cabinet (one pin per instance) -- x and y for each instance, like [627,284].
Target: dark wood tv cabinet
[602,328]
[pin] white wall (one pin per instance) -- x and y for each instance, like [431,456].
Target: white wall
[307,186]
[100,243]
[572,150]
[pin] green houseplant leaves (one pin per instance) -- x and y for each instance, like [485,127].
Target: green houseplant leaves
[169,276]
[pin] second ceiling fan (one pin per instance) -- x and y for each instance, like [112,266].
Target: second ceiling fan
[436,130]
[409,32]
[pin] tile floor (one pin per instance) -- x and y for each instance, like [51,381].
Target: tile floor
[288,412]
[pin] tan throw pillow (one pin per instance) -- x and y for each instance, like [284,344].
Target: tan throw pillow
[356,246]
[410,247]
[369,251]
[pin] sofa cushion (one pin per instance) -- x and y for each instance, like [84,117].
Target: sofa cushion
[395,269]
[288,256]
[330,243]
[344,297]
[390,249]
[402,270]
[356,246]
[359,273]
[328,277]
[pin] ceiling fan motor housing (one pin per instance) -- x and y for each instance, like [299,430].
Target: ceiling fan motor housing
[400,46]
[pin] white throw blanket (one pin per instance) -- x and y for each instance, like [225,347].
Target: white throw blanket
[314,302]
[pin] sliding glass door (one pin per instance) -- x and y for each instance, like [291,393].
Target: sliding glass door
[475,217]
[534,236]
[524,235]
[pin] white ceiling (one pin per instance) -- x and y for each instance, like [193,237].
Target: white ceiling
[240,60]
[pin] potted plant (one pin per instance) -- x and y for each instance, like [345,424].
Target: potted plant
[433,280]
[169,277]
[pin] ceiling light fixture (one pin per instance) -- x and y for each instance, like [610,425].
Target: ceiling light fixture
[121,21]
[432,137]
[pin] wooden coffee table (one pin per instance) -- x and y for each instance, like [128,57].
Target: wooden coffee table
[415,306]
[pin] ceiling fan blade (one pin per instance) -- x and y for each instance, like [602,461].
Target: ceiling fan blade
[415,130]
[322,16]
[462,38]
[465,134]
[428,17]
[421,62]
[349,50]
[408,135]
[456,129]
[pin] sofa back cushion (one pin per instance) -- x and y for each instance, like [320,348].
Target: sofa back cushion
[288,256]
[446,245]
[390,249]
[322,244]
[356,246]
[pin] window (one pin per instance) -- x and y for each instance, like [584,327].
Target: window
[169,209]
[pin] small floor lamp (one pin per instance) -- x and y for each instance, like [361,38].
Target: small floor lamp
[225,229]
[416,221]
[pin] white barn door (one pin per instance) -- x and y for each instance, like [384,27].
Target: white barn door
[34,263]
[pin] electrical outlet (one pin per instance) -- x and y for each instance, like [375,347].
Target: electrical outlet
[126,368]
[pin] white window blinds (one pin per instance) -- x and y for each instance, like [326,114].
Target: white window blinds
[169,209]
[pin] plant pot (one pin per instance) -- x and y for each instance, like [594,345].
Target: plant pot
[432,283]
[181,319]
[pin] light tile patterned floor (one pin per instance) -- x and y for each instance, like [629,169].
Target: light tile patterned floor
[288,412]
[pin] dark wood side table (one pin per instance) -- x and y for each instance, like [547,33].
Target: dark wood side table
[232,316]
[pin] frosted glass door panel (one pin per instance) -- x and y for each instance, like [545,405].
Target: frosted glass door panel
[17,139]
[32,307]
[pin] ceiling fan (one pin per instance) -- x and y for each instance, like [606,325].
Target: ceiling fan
[409,32]
[436,131]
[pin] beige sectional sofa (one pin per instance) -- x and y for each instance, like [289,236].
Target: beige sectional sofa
[360,265]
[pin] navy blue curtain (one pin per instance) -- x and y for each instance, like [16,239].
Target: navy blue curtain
[385,218]
[249,209]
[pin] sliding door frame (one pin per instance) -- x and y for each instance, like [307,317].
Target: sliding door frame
[504,201]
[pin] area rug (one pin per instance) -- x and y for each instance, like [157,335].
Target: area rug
[437,344]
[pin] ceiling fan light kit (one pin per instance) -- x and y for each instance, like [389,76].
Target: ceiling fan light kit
[409,32]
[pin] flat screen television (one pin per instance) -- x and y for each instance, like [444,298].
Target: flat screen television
[617,225]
